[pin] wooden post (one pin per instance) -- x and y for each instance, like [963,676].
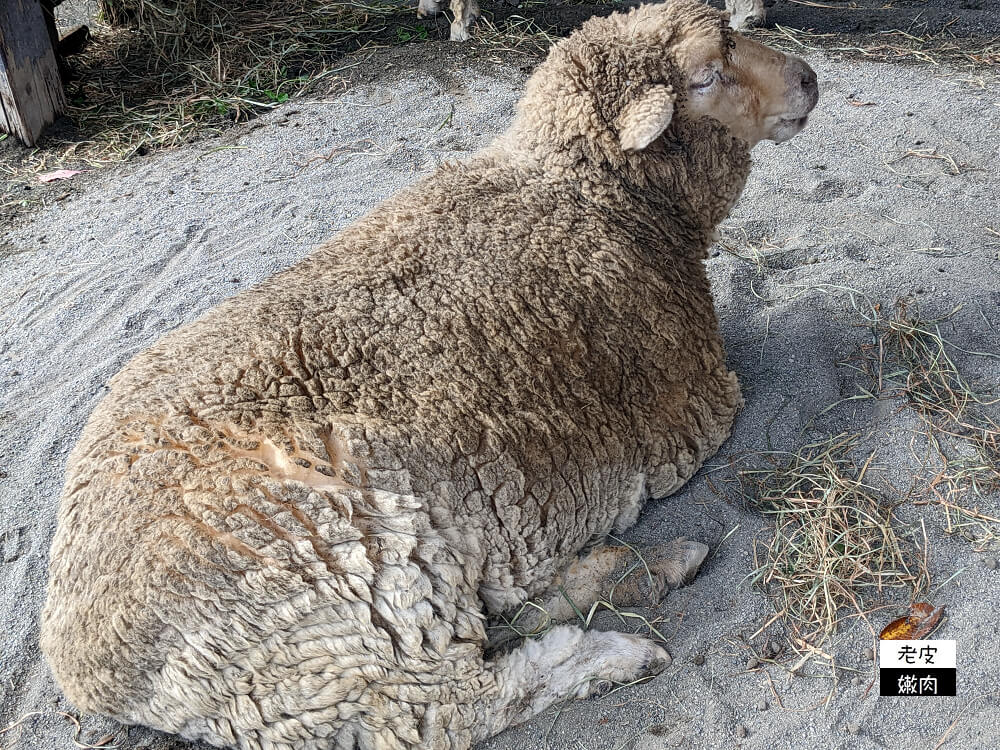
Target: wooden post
[31,93]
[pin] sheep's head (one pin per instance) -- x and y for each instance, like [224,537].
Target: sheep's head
[620,83]
[758,93]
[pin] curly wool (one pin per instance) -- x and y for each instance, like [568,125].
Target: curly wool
[285,524]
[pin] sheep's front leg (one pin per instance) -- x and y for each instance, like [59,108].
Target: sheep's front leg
[564,663]
[645,580]
[466,12]
[615,574]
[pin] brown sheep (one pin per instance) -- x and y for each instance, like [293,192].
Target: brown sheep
[287,523]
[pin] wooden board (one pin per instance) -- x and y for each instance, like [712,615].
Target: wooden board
[31,93]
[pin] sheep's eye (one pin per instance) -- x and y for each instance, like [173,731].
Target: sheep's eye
[706,83]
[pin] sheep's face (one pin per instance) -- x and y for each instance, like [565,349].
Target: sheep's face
[758,93]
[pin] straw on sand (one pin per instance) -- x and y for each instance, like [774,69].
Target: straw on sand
[158,73]
[833,545]
[908,358]
[183,68]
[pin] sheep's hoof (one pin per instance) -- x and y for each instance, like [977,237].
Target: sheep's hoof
[670,565]
[602,688]
[676,563]
[459,32]
[428,8]
[657,665]
[607,659]
[692,554]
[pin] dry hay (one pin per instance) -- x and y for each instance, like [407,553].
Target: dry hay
[978,59]
[834,548]
[833,545]
[909,359]
[249,31]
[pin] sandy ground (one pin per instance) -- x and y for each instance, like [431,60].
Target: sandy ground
[134,252]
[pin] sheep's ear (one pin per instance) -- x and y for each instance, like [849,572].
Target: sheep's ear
[644,119]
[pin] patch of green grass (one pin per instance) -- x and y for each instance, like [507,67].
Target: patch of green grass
[406,34]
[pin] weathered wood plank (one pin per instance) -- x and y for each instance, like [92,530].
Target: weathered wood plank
[31,93]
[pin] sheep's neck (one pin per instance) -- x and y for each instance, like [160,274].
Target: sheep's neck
[677,188]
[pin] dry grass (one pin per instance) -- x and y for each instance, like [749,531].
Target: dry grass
[515,34]
[949,164]
[759,252]
[834,549]
[133,91]
[180,30]
[908,358]
[833,546]
[191,68]
[977,58]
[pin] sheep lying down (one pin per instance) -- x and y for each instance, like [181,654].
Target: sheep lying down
[288,522]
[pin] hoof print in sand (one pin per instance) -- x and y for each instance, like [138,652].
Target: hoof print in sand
[10,544]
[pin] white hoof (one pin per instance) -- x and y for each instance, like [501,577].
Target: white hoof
[616,659]
[428,8]
[459,32]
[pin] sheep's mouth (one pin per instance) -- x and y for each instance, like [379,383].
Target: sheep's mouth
[795,122]
[787,127]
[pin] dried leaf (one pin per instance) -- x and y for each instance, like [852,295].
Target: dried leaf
[921,620]
[59,174]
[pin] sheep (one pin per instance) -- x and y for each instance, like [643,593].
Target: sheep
[287,523]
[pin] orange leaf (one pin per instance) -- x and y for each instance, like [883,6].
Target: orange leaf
[923,618]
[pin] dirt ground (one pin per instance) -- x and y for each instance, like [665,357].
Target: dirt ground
[890,192]
[905,31]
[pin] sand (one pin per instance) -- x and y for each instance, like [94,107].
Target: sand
[138,250]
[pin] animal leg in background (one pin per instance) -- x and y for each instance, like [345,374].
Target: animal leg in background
[745,14]
[465,13]
[428,8]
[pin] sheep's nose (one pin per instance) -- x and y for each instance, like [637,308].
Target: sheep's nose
[803,78]
[809,84]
